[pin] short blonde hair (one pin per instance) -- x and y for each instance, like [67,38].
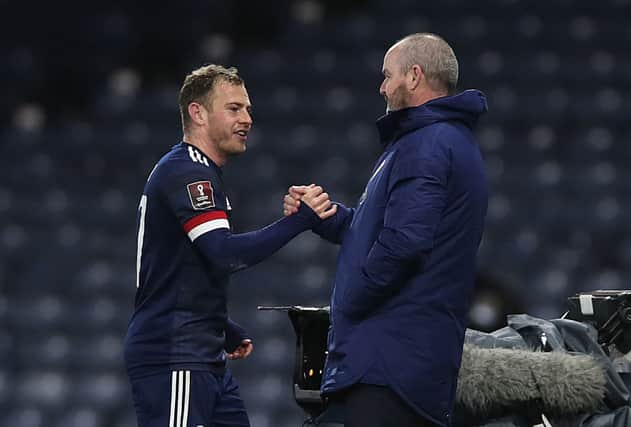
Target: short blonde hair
[198,86]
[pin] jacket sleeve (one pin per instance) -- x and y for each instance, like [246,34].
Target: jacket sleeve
[333,229]
[417,196]
[235,333]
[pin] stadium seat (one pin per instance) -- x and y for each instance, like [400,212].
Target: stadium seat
[77,149]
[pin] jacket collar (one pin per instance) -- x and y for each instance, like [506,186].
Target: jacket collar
[465,107]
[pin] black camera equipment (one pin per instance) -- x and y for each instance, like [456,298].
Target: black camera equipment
[607,311]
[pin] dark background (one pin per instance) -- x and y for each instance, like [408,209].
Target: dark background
[89,103]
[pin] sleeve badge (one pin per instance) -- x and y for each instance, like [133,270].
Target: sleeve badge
[201,195]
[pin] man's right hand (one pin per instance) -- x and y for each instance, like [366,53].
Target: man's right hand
[313,196]
[291,202]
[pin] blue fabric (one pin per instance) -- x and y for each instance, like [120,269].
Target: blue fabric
[180,307]
[235,334]
[405,271]
[206,399]
[333,228]
[180,315]
[229,252]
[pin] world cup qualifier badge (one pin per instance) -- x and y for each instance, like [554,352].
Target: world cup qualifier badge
[201,195]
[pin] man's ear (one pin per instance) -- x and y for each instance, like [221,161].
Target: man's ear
[198,113]
[415,77]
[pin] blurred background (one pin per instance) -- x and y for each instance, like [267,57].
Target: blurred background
[89,104]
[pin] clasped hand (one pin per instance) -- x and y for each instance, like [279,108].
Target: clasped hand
[313,196]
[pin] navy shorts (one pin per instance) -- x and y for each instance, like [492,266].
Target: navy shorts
[189,399]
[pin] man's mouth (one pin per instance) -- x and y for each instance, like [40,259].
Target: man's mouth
[242,133]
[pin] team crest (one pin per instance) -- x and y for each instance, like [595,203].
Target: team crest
[201,195]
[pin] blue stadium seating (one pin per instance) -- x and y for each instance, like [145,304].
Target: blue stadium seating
[82,126]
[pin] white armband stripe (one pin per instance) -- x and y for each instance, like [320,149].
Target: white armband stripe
[206,227]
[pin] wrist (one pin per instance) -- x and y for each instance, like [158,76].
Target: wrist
[307,216]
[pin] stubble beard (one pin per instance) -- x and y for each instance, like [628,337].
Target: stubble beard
[234,148]
[397,101]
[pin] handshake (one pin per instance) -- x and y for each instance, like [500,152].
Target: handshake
[311,195]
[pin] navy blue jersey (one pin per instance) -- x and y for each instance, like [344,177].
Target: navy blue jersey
[180,311]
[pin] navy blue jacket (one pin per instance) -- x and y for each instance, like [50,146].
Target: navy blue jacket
[405,270]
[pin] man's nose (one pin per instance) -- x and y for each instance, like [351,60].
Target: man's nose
[246,118]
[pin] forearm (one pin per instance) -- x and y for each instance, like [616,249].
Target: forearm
[232,252]
[333,229]
[392,259]
[401,248]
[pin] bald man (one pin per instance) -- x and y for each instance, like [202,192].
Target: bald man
[405,271]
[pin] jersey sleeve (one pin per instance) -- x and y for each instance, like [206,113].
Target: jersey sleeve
[196,197]
[235,334]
